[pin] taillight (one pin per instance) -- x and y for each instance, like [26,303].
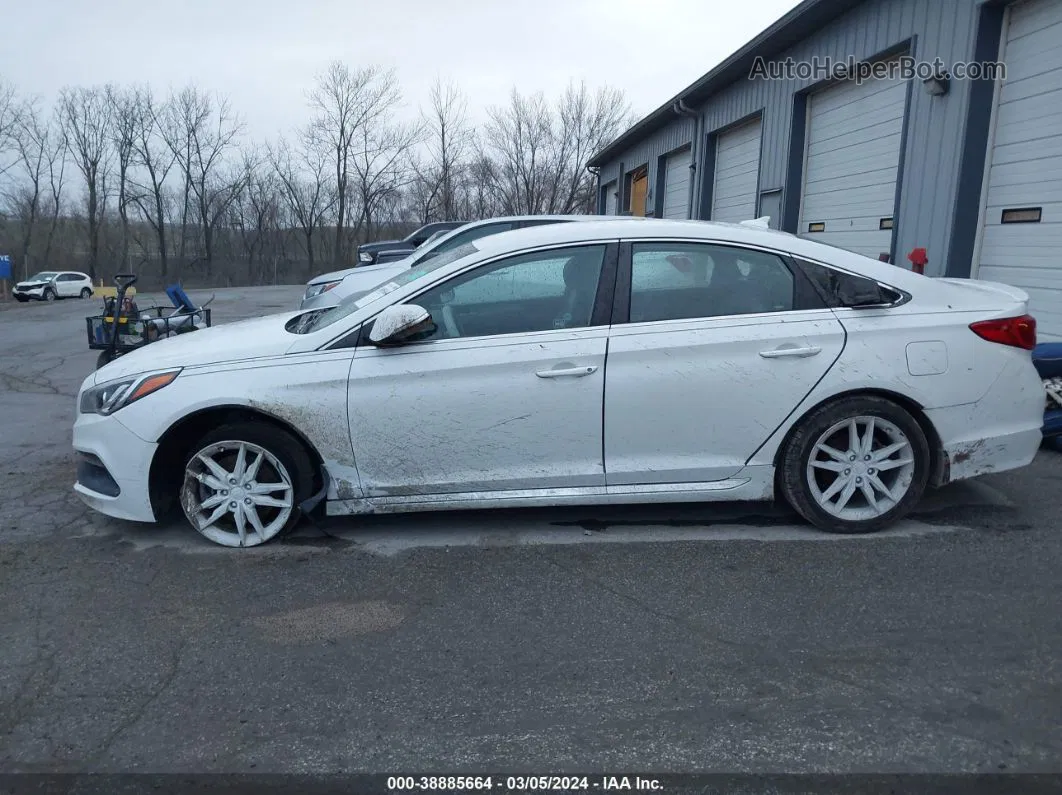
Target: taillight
[1017,331]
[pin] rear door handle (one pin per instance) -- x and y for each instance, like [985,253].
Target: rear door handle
[797,353]
[568,372]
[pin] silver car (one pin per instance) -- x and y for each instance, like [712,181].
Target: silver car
[328,289]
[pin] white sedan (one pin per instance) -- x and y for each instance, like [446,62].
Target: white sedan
[606,362]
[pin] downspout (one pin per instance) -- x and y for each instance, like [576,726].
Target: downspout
[682,109]
[595,172]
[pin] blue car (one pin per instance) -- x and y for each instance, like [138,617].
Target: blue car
[1048,361]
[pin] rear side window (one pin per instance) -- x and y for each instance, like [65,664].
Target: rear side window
[676,281]
[846,290]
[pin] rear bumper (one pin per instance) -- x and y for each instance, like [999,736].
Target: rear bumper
[999,432]
[113,470]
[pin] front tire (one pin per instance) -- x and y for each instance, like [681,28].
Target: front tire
[86,292]
[856,465]
[49,294]
[243,484]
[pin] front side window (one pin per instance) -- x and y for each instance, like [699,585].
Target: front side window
[539,291]
[675,281]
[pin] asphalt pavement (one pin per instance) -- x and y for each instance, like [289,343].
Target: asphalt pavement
[679,638]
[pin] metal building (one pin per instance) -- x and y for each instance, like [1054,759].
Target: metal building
[967,165]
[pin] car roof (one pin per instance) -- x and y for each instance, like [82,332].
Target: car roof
[634,228]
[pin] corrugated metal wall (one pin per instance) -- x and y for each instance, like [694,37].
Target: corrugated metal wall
[935,125]
[648,153]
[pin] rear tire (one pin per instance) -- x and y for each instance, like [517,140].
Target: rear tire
[243,484]
[852,484]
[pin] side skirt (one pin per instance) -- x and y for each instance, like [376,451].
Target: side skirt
[756,484]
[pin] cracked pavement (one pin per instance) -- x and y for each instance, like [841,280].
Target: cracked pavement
[668,638]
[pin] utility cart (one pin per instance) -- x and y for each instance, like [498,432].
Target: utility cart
[124,327]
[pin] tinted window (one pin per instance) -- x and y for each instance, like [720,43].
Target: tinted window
[543,222]
[673,281]
[840,289]
[532,292]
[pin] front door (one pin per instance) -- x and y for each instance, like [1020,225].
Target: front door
[506,394]
[721,346]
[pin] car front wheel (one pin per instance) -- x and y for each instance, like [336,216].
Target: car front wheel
[856,465]
[243,484]
[86,292]
[49,294]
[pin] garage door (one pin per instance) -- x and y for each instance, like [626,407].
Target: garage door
[851,164]
[737,167]
[610,198]
[1022,224]
[677,185]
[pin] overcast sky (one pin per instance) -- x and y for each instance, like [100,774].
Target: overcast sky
[264,54]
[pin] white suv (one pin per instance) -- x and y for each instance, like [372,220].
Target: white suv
[50,285]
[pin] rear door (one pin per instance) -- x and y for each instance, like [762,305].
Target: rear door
[715,347]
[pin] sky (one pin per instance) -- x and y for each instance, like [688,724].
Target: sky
[265,54]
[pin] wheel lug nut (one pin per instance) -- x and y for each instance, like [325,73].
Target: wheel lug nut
[870,471]
[232,481]
[232,504]
[224,492]
[859,480]
[851,458]
[247,500]
[866,458]
[848,472]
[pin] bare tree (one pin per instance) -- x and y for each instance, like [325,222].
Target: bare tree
[381,167]
[153,158]
[125,123]
[9,113]
[34,151]
[86,121]
[57,161]
[303,174]
[201,132]
[450,140]
[256,212]
[539,151]
[346,102]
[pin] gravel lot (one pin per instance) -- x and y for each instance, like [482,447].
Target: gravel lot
[725,638]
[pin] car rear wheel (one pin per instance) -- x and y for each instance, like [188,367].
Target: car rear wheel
[856,465]
[86,292]
[49,294]
[243,484]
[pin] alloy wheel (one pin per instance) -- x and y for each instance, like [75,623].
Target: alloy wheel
[860,468]
[237,494]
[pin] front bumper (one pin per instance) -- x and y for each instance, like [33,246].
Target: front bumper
[36,293]
[114,468]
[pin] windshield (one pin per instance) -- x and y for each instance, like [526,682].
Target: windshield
[319,319]
[43,276]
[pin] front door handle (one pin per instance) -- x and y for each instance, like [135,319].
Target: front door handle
[568,372]
[798,353]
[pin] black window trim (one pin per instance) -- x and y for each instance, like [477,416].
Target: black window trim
[603,301]
[806,298]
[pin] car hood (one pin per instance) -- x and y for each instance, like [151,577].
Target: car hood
[246,339]
[31,285]
[332,276]
[381,245]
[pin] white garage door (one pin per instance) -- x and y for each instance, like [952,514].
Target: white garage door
[851,165]
[1025,166]
[737,167]
[610,198]
[677,185]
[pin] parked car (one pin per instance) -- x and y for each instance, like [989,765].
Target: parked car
[50,285]
[330,289]
[368,252]
[614,362]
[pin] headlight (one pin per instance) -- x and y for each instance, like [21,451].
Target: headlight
[107,398]
[315,290]
[365,257]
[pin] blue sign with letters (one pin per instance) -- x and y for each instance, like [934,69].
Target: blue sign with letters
[5,266]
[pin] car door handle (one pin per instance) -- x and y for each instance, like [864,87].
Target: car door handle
[797,353]
[568,372]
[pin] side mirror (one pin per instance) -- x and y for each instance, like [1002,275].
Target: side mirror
[400,324]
